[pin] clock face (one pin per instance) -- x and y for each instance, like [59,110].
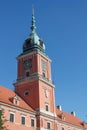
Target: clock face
[28,64]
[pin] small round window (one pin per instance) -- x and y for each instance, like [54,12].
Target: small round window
[26,93]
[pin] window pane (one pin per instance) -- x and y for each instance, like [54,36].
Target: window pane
[48,125]
[46,107]
[23,120]
[62,128]
[11,117]
[44,74]
[27,74]
[32,122]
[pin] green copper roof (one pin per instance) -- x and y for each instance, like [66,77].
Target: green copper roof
[33,42]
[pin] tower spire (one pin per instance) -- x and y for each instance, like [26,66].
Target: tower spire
[33,42]
[33,26]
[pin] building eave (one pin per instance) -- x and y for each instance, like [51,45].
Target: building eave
[17,108]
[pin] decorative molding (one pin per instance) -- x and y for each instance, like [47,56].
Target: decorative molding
[47,113]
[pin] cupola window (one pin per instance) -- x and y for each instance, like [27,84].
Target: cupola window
[41,42]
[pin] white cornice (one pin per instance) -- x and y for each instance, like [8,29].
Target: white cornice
[46,114]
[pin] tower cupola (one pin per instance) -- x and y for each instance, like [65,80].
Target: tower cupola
[33,42]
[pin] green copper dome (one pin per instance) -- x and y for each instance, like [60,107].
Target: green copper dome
[33,42]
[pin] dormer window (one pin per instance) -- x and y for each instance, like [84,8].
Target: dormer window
[63,116]
[16,100]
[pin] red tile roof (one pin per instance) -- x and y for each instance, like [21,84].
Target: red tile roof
[69,118]
[7,95]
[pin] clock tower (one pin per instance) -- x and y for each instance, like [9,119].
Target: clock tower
[34,83]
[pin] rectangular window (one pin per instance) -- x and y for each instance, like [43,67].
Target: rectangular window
[44,66]
[48,125]
[23,120]
[0,114]
[47,107]
[11,117]
[27,74]
[32,122]
[62,128]
[44,75]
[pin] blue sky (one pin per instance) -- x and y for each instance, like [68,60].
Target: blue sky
[62,24]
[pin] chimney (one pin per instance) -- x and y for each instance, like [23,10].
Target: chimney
[59,107]
[73,113]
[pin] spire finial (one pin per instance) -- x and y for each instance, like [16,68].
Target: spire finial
[33,27]
[32,10]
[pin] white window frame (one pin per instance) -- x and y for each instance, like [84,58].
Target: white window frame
[47,125]
[46,104]
[14,117]
[21,119]
[34,122]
